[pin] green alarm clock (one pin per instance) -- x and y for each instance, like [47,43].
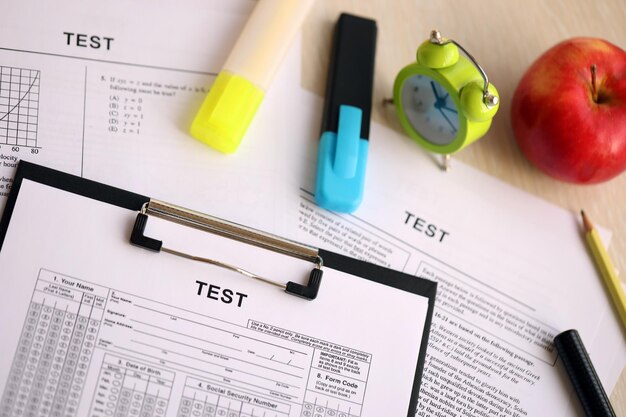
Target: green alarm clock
[444,100]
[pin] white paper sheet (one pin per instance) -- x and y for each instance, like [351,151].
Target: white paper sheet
[513,272]
[92,325]
[120,113]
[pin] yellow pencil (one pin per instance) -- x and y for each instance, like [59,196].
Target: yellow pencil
[605,266]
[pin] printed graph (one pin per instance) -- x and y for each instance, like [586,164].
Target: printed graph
[19,106]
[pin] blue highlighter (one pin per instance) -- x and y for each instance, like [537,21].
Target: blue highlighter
[344,142]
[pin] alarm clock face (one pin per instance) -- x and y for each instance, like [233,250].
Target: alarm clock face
[430,109]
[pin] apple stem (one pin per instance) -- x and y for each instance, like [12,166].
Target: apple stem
[593,83]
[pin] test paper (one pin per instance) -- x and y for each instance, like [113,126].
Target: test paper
[92,325]
[513,272]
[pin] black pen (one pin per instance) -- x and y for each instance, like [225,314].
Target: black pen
[583,375]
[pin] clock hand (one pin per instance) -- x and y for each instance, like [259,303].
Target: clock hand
[442,91]
[432,84]
[446,117]
[449,109]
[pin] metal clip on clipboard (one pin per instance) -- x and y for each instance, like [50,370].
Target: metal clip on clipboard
[233,231]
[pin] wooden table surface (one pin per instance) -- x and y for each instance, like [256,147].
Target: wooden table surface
[505,37]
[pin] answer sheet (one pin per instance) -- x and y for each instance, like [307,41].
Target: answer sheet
[108,91]
[92,325]
[513,272]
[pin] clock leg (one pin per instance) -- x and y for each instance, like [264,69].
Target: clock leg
[446,162]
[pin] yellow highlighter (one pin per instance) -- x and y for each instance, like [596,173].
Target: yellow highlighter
[240,87]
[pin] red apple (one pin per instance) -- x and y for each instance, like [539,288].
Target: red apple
[569,111]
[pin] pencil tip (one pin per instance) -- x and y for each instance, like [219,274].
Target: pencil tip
[586,221]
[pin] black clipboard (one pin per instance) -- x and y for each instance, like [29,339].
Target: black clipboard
[138,203]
